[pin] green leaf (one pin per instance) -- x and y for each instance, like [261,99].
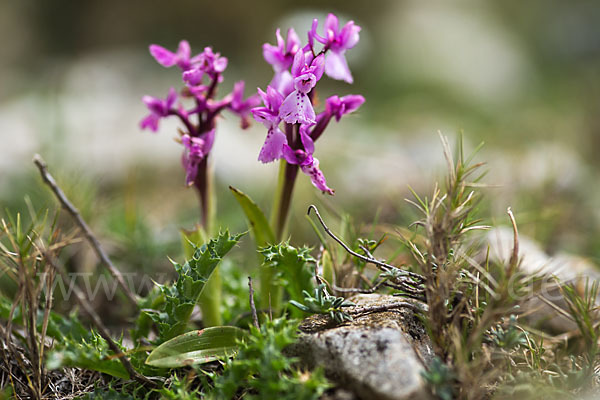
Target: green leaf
[261,370]
[74,345]
[197,347]
[256,219]
[192,239]
[91,352]
[173,309]
[193,276]
[328,266]
[300,306]
[292,269]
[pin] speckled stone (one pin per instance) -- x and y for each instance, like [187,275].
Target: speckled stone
[376,356]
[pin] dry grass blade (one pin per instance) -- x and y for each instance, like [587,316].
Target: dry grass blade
[97,321]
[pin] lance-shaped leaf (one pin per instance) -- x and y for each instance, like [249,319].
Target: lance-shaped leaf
[197,347]
[256,219]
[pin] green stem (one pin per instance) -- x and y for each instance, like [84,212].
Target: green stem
[285,185]
[290,174]
[271,294]
[210,300]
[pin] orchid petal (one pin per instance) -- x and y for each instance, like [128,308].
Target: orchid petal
[283,82]
[297,108]
[272,55]
[331,24]
[352,102]
[307,142]
[316,176]
[164,57]
[298,64]
[150,122]
[154,104]
[220,64]
[297,157]
[349,35]
[171,98]
[265,116]
[312,34]
[273,146]
[336,67]
[263,95]
[280,41]
[184,50]
[274,99]
[293,42]
[193,76]
[319,66]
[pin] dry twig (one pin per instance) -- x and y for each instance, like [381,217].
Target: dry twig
[64,201]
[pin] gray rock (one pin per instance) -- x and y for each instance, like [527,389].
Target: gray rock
[376,356]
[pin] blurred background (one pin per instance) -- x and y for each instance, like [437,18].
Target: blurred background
[523,77]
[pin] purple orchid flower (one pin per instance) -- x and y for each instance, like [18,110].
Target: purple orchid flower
[193,77]
[337,41]
[240,106]
[207,62]
[159,108]
[268,115]
[201,75]
[339,106]
[281,58]
[167,58]
[306,71]
[335,107]
[307,163]
[196,149]
[210,62]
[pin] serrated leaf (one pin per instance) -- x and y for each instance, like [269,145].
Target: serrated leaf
[180,298]
[263,235]
[91,352]
[74,345]
[293,266]
[197,347]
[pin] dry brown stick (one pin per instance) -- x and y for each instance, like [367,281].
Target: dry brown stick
[252,306]
[64,201]
[381,265]
[98,324]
